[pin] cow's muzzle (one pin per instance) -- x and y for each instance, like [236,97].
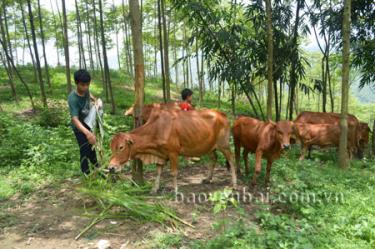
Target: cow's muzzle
[286,146]
[112,169]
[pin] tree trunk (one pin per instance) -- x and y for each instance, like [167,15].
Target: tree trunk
[6,62]
[135,21]
[118,51]
[9,59]
[39,69]
[129,60]
[175,49]
[183,67]
[166,52]
[7,33]
[66,48]
[28,39]
[88,28]
[55,25]
[198,72]
[233,99]
[8,70]
[276,101]
[105,59]
[373,138]
[269,58]
[293,73]
[105,87]
[201,78]
[46,68]
[62,28]
[343,155]
[219,94]
[163,76]
[82,59]
[324,83]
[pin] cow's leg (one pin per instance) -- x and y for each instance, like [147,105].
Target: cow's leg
[229,157]
[246,159]
[309,155]
[174,163]
[237,154]
[213,157]
[350,153]
[159,169]
[303,151]
[258,166]
[268,172]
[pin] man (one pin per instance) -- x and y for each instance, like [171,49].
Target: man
[187,97]
[79,107]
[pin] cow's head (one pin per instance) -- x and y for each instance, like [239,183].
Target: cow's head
[121,150]
[364,132]
[284,132]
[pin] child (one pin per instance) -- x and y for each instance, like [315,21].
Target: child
[79,108]
[187,97]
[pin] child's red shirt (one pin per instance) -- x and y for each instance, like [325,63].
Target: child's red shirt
[185,106]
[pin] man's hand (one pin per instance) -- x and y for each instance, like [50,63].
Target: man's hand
[91,138]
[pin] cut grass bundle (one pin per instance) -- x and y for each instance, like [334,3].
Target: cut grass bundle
[126,201]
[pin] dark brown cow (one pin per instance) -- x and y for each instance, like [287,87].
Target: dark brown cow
[333,119]
[323,135]
[265,139]
[147,109]
[364,135]
[168,134]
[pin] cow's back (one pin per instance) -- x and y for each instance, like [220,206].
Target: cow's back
[246,132]
[324,118]
[191,133]
[318,134]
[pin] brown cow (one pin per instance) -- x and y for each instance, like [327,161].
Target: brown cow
[334,119]
[364,135]
[147,109]
[265,139]
[168,134]
[323,135]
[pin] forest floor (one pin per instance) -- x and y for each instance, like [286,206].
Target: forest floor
[311,204]
[52,216]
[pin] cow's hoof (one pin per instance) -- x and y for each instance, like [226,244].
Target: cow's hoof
[206,181]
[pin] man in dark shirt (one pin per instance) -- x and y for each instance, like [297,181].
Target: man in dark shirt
[79,107]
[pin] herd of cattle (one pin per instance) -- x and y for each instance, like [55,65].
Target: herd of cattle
[168,133]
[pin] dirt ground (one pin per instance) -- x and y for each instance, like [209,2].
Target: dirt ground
[52,217]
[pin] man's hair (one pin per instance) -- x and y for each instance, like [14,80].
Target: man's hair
[186,93]
[82,75]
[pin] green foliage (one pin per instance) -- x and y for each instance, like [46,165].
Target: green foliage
[52,117]
[166,241]
[321,207]
[31,156]
[221,199]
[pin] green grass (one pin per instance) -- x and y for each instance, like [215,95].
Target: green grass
[342,215]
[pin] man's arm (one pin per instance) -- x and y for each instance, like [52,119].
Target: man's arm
[89,135]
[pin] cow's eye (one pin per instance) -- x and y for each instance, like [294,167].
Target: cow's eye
[121,147]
